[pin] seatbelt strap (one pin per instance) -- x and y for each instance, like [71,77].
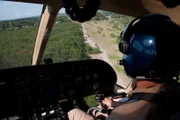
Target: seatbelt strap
[156,98]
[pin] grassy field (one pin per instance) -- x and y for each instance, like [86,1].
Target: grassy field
[90,100]
[16,47]
[106,33]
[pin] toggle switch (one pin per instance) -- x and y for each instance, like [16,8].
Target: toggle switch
[43,114]
[51,112]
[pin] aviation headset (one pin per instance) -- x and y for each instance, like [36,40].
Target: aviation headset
[127,33]
[149,28]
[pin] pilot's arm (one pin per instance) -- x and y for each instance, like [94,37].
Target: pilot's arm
[77,114]
[111,103]
[140,110]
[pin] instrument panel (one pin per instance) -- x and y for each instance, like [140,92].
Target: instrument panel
[43,86]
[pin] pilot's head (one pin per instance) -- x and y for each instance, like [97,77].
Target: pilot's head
[151,48]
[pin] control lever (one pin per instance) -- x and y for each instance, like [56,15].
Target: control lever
[99,98]
[48,61]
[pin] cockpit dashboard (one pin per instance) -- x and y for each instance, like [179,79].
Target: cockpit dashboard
[36,92]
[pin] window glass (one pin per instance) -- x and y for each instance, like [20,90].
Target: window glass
[95,39]
[18,27]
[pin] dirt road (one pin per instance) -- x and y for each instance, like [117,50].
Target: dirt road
[92,44]
[103,56]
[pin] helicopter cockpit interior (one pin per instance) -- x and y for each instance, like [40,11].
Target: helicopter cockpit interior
[51,89]
[48,91]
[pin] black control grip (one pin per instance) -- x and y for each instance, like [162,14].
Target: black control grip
[99,98]
[104,108]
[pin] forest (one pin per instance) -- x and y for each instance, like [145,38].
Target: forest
[17,39]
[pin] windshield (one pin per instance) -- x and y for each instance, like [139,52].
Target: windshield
[66,42]
[18,28]
[69,40]
[95,39]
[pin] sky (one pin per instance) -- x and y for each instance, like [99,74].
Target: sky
[14,10]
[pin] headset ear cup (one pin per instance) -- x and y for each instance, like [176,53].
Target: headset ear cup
[127,33]
[123,47]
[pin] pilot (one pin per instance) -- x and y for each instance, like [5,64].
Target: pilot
[151,46]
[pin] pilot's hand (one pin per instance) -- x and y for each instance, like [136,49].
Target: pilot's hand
[108,102]
[99,106]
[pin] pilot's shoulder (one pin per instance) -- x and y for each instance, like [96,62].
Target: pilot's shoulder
[136,110]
